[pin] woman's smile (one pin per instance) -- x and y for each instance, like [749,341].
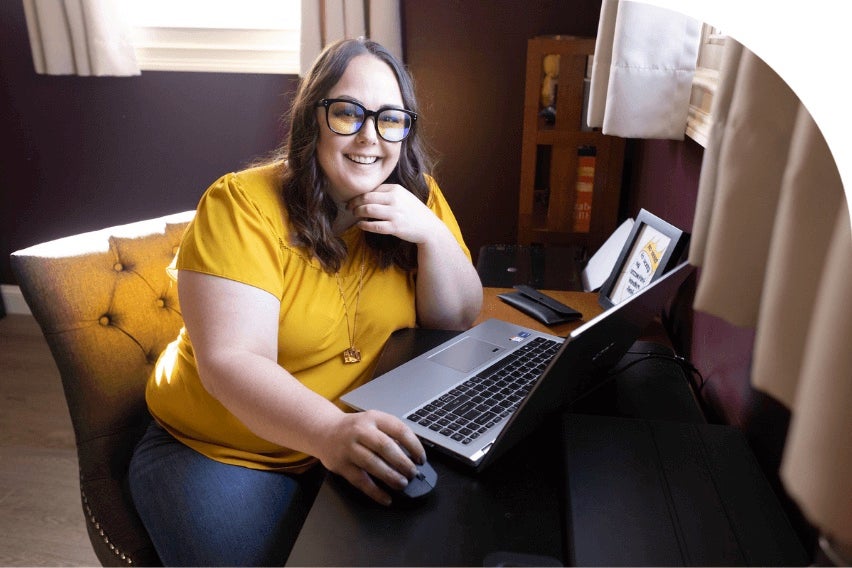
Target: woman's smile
[360,159]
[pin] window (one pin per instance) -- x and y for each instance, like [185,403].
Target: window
[704,84]
[238,36]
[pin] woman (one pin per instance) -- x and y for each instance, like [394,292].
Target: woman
[291,277]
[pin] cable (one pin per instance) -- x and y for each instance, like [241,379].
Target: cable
[678,359]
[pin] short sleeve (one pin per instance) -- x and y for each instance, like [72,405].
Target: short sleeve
[438,204]
[233,237]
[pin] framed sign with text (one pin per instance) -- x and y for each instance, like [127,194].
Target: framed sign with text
[652,247]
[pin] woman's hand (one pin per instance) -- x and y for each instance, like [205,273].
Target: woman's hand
[449,293]
[390,209]
[372,444]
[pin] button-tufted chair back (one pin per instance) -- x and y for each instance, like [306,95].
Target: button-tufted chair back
[107,308]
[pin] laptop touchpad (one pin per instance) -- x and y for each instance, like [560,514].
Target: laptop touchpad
[467,354]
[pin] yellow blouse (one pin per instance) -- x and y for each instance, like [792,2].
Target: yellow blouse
[240,232]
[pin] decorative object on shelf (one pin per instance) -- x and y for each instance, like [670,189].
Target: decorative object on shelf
[549,87]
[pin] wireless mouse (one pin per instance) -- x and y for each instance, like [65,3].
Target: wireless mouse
[417,489]
[421,484]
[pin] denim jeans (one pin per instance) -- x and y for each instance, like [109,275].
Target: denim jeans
[200,512]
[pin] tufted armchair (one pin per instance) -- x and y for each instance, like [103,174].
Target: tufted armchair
[107,308]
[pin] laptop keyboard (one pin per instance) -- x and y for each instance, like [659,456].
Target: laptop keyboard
[481,402]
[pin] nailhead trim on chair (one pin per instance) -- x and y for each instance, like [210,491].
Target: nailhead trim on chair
[101,532]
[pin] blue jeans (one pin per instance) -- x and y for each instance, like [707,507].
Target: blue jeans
[200,512]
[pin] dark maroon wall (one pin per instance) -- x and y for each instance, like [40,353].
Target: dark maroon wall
[663,178]
[87,152]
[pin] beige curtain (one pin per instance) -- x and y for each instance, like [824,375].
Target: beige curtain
[772,235]
[79,37]
[642,70]
[325,21]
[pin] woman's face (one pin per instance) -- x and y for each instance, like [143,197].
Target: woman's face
[359,163]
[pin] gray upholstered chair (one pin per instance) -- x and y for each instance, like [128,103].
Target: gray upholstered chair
[107,308]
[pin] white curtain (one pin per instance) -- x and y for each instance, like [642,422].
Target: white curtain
[79,37]
[773,237]
[642,70]
[325,21]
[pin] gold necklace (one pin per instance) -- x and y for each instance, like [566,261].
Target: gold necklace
[351,354]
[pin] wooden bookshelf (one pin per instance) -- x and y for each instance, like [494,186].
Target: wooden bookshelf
[552,147]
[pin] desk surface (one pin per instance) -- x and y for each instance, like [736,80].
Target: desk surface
[584,302]
[509,514]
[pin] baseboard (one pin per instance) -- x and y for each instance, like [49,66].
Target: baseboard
[13,300]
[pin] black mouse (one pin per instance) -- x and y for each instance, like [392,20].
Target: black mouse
[418,486]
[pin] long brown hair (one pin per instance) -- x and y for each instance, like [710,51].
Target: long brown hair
[304,185]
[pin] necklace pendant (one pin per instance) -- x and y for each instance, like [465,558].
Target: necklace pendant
[351,355]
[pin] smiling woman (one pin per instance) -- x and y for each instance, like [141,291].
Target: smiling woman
[291,277]
[250,36]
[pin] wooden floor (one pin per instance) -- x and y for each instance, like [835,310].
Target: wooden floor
[41,521]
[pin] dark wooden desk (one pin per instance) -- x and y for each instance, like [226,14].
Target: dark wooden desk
[509,514]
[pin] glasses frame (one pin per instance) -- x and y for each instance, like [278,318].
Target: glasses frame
[367,114]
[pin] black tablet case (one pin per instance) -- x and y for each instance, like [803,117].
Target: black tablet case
[659,493]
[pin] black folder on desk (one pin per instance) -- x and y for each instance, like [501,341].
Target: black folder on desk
[658,493]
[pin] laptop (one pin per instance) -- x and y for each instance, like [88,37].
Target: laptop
[478,394]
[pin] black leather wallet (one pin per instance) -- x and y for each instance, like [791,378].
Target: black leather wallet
[542,307]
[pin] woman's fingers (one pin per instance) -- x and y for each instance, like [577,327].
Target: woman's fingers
[375,447]
[392,210]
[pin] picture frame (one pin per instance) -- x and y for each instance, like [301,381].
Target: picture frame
[652,247]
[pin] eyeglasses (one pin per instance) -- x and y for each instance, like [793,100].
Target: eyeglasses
[346,117]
